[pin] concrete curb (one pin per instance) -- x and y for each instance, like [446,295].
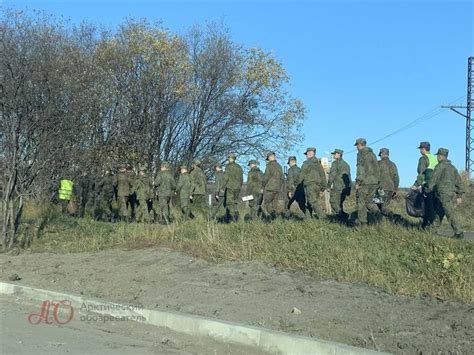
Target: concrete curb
[260,338]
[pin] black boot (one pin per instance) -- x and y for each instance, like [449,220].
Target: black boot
[458,235]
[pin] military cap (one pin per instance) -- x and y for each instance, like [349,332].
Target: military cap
[443,151]
[425,145]
[165,164]
[217,165]
[142,167]
[232,155]
[292,157]
[360,141]
[270,153]
[340,151]
[196,162]
[310,149]
[183,167]
[384,151]
[253,161]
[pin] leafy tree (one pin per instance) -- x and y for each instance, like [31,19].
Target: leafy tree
[77,99]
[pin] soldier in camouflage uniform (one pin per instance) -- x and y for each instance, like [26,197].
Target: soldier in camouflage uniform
[184,188]
[294,189]
[339,182]
[198,190]
[271,186]
[367,181]
[143,190]
[446,184]
[219,194]
[85,192]
[233,180]
[389,181]
[164,187]
[254,187]
[124,186]
[106,195]
[426,166]
[313,178]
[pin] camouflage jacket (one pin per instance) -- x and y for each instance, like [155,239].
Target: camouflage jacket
[106,186]
[198,181]
[219,182]
[367,167]
[143,188]
[292,178]
[233,177]
[165,184]
[312,172]
[124,184]
[339,175]
[184,186]
[254,181]
[273,176]
[85,187]
[389,179]
[446,179]
[423,164]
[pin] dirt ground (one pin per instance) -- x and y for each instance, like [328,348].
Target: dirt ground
[256,294]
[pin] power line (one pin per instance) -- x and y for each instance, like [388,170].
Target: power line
[423,118]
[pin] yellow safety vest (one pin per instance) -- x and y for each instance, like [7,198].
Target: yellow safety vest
[65,189]
[432,162]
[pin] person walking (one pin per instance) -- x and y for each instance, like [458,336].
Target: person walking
[313,178]
[367,181]
[447,185]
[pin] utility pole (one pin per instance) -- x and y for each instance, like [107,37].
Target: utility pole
[469,117]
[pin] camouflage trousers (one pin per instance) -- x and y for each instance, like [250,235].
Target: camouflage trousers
[255,205]
[218,209]
[336,199]
[444,206]
[313,201]
[86,207]
[141,211]
[199,206]
[124,208]
[231,203]
[270,203]
[64,206]
[104,208]
[184,204]
[298,197]
[164,208]
[365,203]
[429,217]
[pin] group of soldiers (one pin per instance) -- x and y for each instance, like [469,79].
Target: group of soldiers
[376,185]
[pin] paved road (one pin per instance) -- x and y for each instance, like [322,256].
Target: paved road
[18,336]
[467,235]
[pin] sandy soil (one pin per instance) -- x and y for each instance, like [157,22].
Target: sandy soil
[257,294]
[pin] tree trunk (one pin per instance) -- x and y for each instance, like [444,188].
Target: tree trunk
[17,212]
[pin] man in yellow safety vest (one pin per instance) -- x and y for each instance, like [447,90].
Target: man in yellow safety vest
[65,193]
[426,165]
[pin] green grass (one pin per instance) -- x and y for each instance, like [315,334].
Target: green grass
[398,259]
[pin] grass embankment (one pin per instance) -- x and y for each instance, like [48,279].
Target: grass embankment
[397,259]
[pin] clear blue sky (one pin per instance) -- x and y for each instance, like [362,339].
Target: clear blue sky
[362,68]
